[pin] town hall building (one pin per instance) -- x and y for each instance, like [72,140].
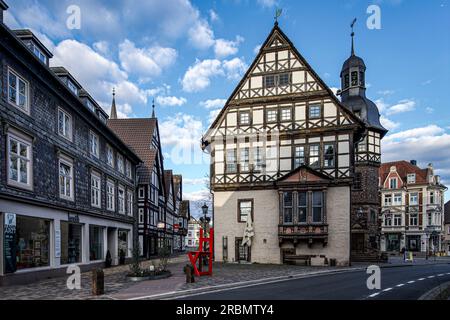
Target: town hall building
[293,163]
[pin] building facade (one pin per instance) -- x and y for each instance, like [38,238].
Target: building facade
[193,234]
[284,152]
[412,208]
[447,228]
[184,218]
[67,183]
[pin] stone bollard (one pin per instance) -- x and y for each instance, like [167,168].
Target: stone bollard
[98,282]
[189,271]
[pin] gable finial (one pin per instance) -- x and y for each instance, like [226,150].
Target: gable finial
[278,13]
[353,35]
[153,109]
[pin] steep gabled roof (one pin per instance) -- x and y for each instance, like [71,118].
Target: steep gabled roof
[185,210]
[138,135]
[403,169]
[177,183]
[168,179]
[277,32]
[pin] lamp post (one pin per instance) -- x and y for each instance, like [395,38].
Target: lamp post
[428,234]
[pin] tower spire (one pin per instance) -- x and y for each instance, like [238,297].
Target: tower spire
[353,36]
[113,106]
[153,109]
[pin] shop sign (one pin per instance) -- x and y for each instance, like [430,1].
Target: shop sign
[161,225]
[176,227]
[10,242]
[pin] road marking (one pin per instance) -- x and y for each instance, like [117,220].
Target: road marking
[374,295]
[448,273]
[411,282]
[430,277]
[421,279]
[400,285]
[440,275]
[388,289]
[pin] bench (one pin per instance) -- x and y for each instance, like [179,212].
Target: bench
[294,259]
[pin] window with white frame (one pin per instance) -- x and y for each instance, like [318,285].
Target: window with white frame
[110,195]
[245,160]
[37,52]
[64,124]
[18,91]
[66,184]
[94,145]
[128,169]
[314,155]
[141,193]
[121,199]
[120,163]
[110,156]
[96,192]
[19,160]
[314,111]
[397,199]
[413,199]
[299,156]
[130,203]
[413,220]
[432,199]
[272,115]
[258,159]
[328,155]
[231,161]
[388,220]
[397,220]
[393,183]
[388,200]
[411,178]
[286,114]
[244,118]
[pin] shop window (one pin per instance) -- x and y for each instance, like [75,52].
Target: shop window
[71,249]
[95,243]
[33,243]
[123,242]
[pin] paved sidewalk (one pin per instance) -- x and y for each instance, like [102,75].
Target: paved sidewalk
[56,289]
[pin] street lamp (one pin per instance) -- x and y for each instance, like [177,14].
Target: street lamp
[427,234]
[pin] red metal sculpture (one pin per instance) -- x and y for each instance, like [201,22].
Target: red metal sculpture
[205,252]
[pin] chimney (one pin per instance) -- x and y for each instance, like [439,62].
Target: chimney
[413,162]
[3,7]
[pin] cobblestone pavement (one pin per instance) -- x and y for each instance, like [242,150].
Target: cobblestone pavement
[56,289]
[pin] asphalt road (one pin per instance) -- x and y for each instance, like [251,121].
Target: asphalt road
[399,283]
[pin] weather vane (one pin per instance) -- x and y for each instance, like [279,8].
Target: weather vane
[352,26]
[278,13]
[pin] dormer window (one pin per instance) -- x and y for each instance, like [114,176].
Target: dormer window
[72,87]
[37,52]
[90,105]
[411,178]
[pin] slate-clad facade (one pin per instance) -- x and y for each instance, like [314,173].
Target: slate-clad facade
[67,182]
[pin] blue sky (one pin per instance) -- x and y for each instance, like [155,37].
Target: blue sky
[189,56]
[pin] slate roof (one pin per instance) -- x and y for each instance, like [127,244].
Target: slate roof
[138,135]
[177,180]
[403,169]
[168,176]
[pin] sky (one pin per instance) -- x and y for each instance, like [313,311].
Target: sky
[189,56]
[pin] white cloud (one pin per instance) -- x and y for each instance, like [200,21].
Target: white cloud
[213,103]
[416,133]
[124,111]
[334,90]
[224,48]
[427,82]
[389,124]
[181,130]
[234,68]
[429,110]
[170,101]
[201,35]
[195,182]
[198,76]
[102,47]
[382,106]
[200,195]
[212,116]
[267,3]
[10,20]
[386,92]
[429,144]
[213,16]
[402,106]
[97,74]
[145,62]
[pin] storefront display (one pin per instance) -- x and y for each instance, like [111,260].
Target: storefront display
[71,250]
[32,242]
[96,243]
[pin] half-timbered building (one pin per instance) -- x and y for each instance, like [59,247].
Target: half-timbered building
[283,153]
[142,136]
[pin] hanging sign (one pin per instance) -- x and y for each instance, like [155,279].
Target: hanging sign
[10,242]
